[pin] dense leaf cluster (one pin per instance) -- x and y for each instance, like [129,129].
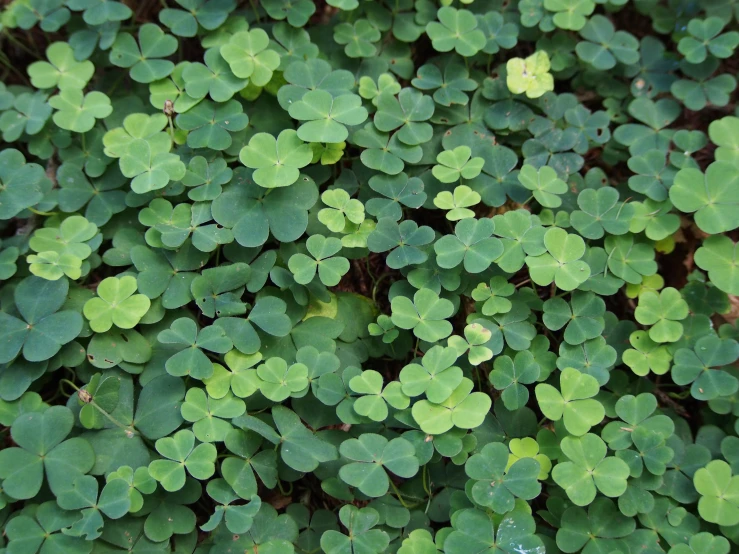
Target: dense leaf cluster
[355,277]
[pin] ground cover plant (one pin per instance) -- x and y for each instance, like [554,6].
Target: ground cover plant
[355,277]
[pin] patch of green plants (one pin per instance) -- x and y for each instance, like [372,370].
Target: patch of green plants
[357,277]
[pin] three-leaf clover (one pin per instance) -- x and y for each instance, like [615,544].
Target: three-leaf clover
[495,485]
[456,30]
[711,196]
[42,449]
[369,455]
[719,493]
[326,117]
[210,125]
[42,328]
[464,409]
[62,70]
[457,164]
[77,112]
[426,315]
[544,184]
[180,453]
[575,404]
[249,55]
[662,310]
[191,360]
[530,75]
[116,304]
[322,259]
[144,58]
[362,537]
[403,240]
[472,243]
[588,470]
[561,262]
[704,37]
[277,161]
[457,203]
[511,376]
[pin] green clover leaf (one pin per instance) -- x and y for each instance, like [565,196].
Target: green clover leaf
[250,58]
[456,30]
[574,404]
[180,454]
[719,493]
[326,117]
[510,376]
[62,70]
[496,486]
[663,311]
[116,304]
[42,449]
[144,58]
[588,470]
[561,262]
[77,112]
[42,328]
[277,161]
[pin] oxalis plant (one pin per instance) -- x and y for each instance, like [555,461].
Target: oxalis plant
[357,277]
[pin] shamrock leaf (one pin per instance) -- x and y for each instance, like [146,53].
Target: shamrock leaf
[326,117]
[330,269]
[214,78]
[62,70]
[458,202]
[77,111]
[583,317]
[403,240]
[426,315]
[113,501]
[589,470]
[116,304]
[277,161]
[210,416]
[373,404]
[43,329]
[646,355]
[99,12]
[599,528]
[191,360]
[180,454]
[457,164]
[362,537]
[718,256]
[42,450]
[451,86]
[604,46]
[340,209]
[278,381]
[574,404]
[210,125]
[495,296]
[544,184]
[359,38]
[300,448]
[456,30]
[38,530]
[252,212]
[209,14]
[704,37]
[530,75]
[561,263]
[600,213]
[719,501]
[570,15]
[436,376]
[495,485]
[370,456]
[21,183]
[145,57]
[474,531]
[464,409]
[663,311]
[709,196]
[250,58]
[474,342]
[472,243]
[510,376]
[408,113]
[702,366]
